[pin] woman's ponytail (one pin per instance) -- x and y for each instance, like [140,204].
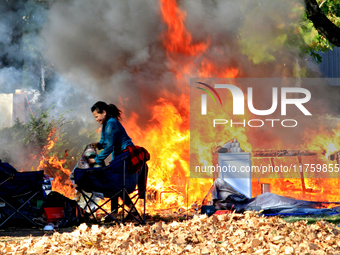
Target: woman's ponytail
[115,112]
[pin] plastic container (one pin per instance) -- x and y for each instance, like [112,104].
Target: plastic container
[39,203]
[208,209]
[53,213]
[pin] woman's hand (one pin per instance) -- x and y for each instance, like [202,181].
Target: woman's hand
[94,145]
[91,161]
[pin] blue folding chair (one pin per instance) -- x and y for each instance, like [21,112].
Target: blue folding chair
[18,191]
[114,181]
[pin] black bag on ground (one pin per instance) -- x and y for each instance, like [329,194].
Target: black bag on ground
[73,214]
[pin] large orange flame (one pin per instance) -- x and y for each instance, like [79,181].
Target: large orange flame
[177,39]
[54,168]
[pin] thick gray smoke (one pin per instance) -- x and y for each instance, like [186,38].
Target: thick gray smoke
[113,50]
[108,50]
[20,45]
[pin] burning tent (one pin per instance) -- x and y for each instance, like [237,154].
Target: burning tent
[232,189]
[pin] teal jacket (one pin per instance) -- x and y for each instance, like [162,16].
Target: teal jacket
[114,140]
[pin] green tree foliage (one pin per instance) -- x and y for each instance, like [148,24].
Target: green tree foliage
[23,142]
[287,28]
[314,40]
[324,16]
[263,37]
[22,145]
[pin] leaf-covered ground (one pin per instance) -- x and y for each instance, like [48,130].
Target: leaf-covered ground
[246,233]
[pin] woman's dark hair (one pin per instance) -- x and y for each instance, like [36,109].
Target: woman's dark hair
[111,109]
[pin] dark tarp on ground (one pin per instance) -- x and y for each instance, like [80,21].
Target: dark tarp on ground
[225,197]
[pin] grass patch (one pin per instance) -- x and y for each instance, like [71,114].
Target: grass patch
[335,219]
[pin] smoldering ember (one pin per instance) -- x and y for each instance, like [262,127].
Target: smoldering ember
[162,64]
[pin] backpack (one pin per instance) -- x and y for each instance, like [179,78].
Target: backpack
[73,214]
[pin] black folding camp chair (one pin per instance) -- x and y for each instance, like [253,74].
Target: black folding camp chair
[113,181]
[18,190]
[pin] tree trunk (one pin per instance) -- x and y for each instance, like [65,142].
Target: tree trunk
[321,23]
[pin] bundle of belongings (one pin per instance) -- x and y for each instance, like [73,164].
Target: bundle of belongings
[226,197]
[59,212]
[82,163]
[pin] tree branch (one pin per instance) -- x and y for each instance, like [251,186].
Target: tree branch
[322,24]
[324,1]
